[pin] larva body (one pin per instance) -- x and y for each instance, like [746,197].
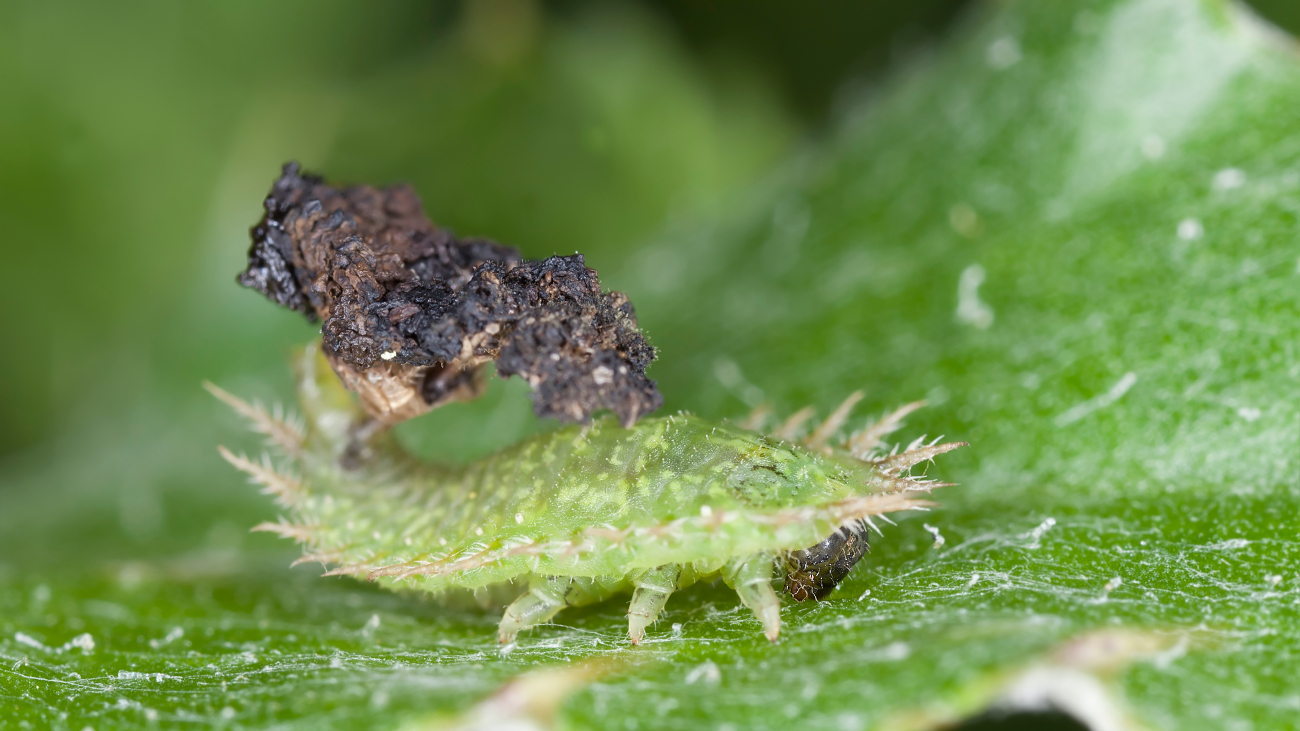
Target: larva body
[583,512]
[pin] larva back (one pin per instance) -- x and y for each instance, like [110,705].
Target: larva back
[583,512]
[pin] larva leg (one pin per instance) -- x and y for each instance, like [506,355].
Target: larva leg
[544,599]
[652,592]
[547,595]
[751,577]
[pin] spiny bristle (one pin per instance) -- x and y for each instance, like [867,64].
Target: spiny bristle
[352,569]
[286,489]
[897,484]
[861,444]
[896,462]
[790,427]
[486,556]
[279,429]
[823,433]
[403,570]
[756,418]
[873,506]
[300,533]
[872,525]
[322,558]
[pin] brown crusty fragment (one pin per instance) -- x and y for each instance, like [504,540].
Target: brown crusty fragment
[411,313]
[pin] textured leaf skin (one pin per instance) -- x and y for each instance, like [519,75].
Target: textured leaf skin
[1183,486]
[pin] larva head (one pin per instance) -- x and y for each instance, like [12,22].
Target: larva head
[329,409]
[341,435]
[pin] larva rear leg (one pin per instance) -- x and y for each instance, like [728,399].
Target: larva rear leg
[652,592]
[547,595]
[751,577]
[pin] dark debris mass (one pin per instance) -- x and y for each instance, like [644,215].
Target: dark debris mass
[814,572]
[411,314]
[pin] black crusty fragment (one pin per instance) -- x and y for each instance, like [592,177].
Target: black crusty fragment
[578,347]
[269,269]
[575,383]
[812,573]
[411,313]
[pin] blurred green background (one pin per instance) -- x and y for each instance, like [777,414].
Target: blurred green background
[137,140]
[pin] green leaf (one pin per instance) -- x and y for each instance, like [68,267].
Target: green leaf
[1073,231]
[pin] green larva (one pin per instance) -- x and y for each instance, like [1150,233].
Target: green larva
[581,513]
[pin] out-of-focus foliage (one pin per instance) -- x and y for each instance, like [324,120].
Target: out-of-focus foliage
[1073,230]
[117,135]
[809,50]
[1284,13]
[139,166]
[137,140]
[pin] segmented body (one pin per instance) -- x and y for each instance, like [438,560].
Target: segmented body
[583,512]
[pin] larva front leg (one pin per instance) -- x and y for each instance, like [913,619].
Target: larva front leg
[751,577]
[547,595]
[543,600]
[652,592]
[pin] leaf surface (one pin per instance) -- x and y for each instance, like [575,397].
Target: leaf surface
[1073,231]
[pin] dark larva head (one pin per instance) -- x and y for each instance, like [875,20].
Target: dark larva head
[813,572]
